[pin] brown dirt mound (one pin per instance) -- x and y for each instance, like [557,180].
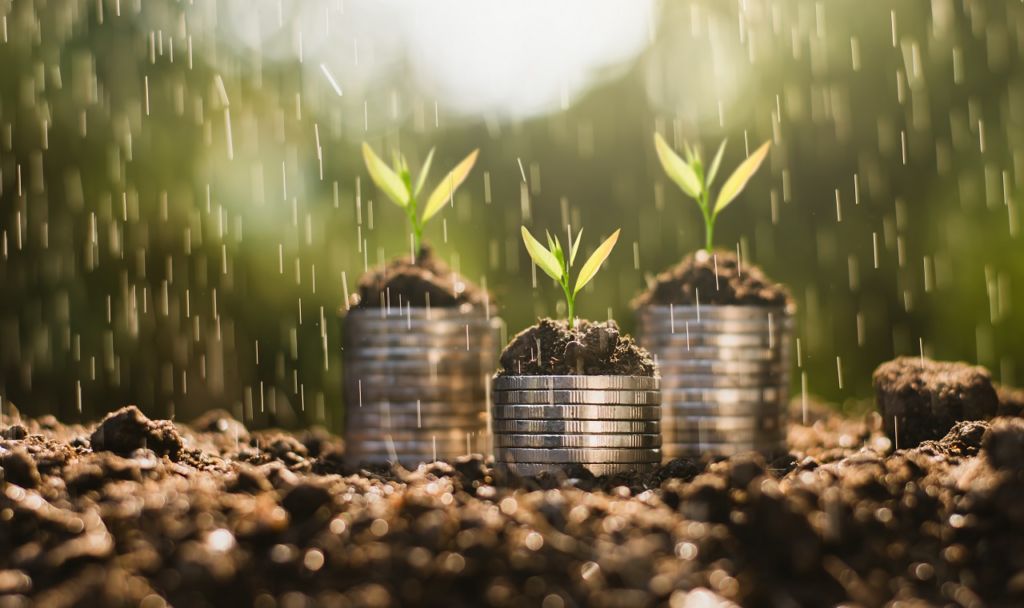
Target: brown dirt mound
[587,349]
[714,278]
[921,399]
[427,281]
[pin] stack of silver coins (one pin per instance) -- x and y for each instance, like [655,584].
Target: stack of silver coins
[724,376]
[606,424]
[416,383]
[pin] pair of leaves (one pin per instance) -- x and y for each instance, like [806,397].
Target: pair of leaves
[688,174]
[552,261]
[392,184]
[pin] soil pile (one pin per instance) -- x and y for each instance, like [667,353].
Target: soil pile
[921,399]
[551,348]
[713,278]
[425,281]
[276,519]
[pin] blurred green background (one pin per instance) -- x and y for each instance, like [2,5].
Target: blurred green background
[183,204]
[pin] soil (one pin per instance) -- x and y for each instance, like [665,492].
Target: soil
[920,399]
[267,518]
[715,278]
[588,349]
[426,281]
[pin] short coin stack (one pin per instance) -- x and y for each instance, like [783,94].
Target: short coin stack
[416,383]
[607,424]
[724,376]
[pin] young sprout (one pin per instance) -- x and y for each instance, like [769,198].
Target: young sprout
[690,177]
[553,261]
[397,184]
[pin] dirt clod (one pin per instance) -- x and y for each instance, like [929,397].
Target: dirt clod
[920,399]
[589,349]
[1004,444]
[19,468]
[128,429]
[715,278]
[425,281]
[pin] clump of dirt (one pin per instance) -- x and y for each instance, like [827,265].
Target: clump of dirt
[589,349]
[964,440]
[425,281]
[1004,444]
[713,278]
[128,429]
[1011,401]
[920,399]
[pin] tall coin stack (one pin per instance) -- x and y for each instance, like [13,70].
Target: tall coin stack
[416,383]
[724,376]
[607,424]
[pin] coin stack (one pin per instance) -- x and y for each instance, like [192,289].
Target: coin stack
[724,376]
[416,383]
[607,424]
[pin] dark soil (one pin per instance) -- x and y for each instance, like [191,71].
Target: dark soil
[587,349]
[715,278]
[427,281]
[266,518]
[920,399]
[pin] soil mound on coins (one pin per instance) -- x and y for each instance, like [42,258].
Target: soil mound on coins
[715,278]
[921,399]
[589,349]
[244,518]
[427,281]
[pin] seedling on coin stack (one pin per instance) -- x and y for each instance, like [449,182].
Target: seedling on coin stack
[720,329]
[575,393]
[420,342]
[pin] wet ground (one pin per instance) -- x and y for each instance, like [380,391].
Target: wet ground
[137,512]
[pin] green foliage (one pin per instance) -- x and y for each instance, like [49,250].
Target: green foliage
[689,175]
[553,262]
[396,183]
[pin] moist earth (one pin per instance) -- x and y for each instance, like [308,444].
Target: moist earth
[551,348]
[713,278]
[425,281]
[269,518]
[921,399]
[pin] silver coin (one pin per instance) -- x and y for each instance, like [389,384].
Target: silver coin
[670,410]
[505,440]
[589,427]
[581,455]
[433,408]
[595,469]
[724,423]
[575,412]
[713,311]
[588,397]
[376,392]
[721,395]
[675,450]
[505,383]
[681,381]
[668,366]
[690,340]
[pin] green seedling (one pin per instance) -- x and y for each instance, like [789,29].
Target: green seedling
[689,175]
[553,261]
[396,182]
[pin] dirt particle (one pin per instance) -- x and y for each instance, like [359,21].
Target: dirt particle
[920,399]
[715,278]
[1004,444]
[589,349]
[19,468]
[128,429]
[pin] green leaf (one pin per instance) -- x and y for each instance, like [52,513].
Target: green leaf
[713,171]
[444,191]
[739,178]
[424,171]
[575,247]
[387,180]
[544,259]
[594,262]
[676,168]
